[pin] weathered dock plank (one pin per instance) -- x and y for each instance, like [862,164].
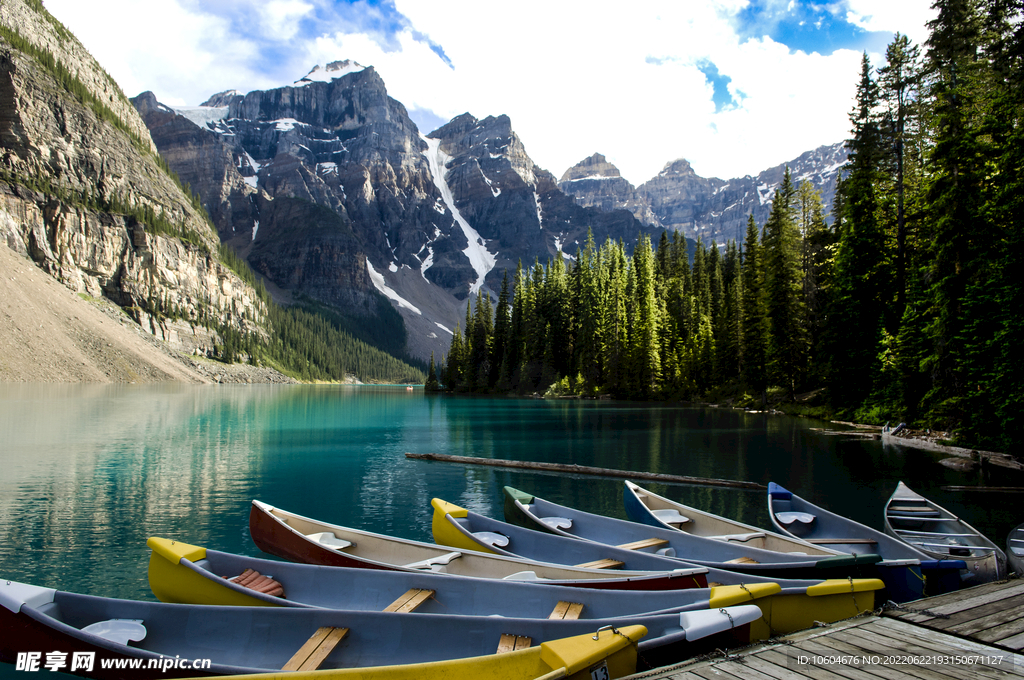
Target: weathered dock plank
[975,627]
[865,648]
[960,600]
[992,613]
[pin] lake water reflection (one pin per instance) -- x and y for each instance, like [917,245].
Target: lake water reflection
[88,473]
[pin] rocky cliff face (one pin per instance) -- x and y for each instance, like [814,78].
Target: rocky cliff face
[596,182]
[83,189]
[516,207]
[708,208]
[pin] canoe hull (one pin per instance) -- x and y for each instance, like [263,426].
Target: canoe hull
[275,538]
[524,510]
[937,532]
[1015,550]
[640,504]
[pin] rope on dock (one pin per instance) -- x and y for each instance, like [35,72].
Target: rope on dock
[584,470]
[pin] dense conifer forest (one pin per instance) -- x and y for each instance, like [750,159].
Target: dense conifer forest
[904,304]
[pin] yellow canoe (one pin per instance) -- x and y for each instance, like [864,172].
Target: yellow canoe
[607,653]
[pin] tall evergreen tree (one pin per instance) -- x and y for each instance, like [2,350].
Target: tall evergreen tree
[856,321]
[783,285]
[755,317]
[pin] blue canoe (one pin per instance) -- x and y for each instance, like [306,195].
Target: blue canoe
[797,517]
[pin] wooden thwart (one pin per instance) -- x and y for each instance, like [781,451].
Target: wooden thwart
[510,643]
[742,560]
[602,564]
[410,600]
[646,543]
[566,610]
[317,648]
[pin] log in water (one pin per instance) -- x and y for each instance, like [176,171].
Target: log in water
[584,470]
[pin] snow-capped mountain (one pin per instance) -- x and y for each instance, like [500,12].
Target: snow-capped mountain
[332,194]
[709,208]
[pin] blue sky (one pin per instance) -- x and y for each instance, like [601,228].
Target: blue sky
[734,86]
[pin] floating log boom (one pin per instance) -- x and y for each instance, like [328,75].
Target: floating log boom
[584,470]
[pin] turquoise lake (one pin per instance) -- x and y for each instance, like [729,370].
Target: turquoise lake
[88,473]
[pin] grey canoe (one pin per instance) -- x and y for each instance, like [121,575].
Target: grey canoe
[238,640]
[536,513]
[186,574]
[647,507]
[1015,549]
[937,532]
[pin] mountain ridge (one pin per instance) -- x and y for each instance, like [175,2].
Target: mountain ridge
[708,208]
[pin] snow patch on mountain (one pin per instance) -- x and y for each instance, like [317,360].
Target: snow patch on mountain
[480,258]
[333,71]
[381,285]
[540,220]
[202,115]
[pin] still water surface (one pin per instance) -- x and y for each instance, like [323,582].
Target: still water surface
[88,473]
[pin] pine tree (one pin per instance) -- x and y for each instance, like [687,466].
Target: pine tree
[755,319]
[501,337]
[431,385]
[783,285]
[858,300]
[898,81]
[646,326]
[963,282]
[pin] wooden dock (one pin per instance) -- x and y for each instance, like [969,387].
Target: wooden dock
[972,634]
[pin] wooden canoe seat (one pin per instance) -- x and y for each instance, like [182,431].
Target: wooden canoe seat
[922,510]
[670,516]
[317,648]
[254,580]
[931,534]
[602,564]
[510,643]
[743,560]
[839,541]
[646,543]
[566,610]
[410,600]
[329,540]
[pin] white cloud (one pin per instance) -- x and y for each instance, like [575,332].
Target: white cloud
[575,77]
[906,16]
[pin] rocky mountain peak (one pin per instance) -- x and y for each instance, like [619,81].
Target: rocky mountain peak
[333,71]
[679,166]
[225,98]
[593,166]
